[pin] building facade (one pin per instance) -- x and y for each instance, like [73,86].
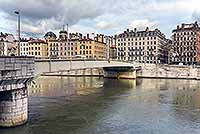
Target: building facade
[52,45]
[140,46]
[68,44]
[90,48]
[186,44]
[166,52]
[24,47]
[38,48]
[6,44]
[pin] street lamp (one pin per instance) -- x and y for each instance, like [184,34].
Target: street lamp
[70,49]
[18,14]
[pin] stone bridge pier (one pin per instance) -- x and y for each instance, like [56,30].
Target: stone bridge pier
[13,107]
[15,74]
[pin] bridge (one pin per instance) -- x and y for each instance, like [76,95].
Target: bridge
[59,67]
[17,72]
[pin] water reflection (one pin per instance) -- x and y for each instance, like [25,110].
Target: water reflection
[86,105]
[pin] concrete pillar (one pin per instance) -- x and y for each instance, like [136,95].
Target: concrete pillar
[13,107]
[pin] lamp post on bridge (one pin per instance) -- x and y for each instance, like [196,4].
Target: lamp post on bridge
[18,15]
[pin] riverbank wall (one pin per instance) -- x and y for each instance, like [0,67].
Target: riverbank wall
[168,71]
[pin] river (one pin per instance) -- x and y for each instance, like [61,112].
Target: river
[91,105]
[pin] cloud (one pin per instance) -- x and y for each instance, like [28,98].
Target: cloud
[104,25]
[42,15]
[142,24]
[83,29]
[196,15]
[39,16]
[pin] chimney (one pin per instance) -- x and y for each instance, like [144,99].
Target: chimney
[81,36]
[196,23]
[182,25]
[127,30]
[97,39]
[147,29]
[135,29]
[88,36]
[178,27]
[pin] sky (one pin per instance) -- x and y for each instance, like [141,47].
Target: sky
[96,16]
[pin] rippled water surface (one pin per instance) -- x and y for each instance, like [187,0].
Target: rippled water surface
[83,105]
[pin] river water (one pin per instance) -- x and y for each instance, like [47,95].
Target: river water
[89,105]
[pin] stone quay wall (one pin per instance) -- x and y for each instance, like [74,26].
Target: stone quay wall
[168,71]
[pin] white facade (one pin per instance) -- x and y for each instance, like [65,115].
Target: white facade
[24,48]
[140,46]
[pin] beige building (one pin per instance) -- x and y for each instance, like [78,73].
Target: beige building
[52,45]
[38,48]
[91,49]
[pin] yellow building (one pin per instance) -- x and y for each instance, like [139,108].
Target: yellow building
[91,48]
[38,48]
[52,44]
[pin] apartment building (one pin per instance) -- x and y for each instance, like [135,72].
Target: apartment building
[24,47]
[140,46]
[90,48]
[38,48]
[52,45]
[186,44]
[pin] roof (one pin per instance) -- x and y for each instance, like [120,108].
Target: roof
[50,34]
[37,41]
[63,32]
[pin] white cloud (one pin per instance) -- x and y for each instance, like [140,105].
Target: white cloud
[104,25]
[40,16]
[142,24]
[82,29]
[174,6]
